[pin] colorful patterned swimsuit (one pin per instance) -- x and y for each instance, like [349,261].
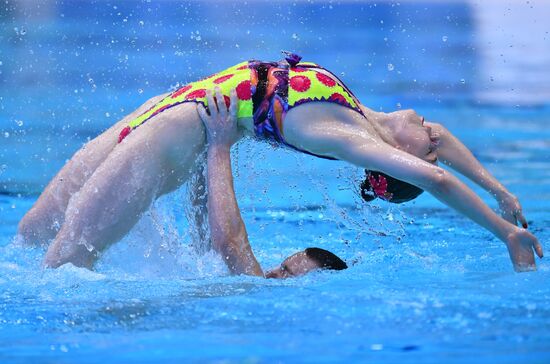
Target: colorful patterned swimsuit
[266,92]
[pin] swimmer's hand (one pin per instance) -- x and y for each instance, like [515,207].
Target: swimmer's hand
[521,243]
[221,124]
[510,209]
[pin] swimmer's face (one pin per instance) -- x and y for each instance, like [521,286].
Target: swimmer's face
[296,265]
[412,135]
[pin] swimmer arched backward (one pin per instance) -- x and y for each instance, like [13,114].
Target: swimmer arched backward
[117,181]
[266,92]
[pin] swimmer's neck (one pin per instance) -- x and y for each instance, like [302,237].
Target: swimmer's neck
[377,122]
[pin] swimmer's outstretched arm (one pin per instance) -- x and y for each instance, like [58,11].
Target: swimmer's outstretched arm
[229,236]
[457,156]
[355,146]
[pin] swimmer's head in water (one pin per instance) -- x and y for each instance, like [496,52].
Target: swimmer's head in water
[378,184]
[306,261]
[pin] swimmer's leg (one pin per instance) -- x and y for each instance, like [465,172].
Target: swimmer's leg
[42,222]
[150,163]
[106,208]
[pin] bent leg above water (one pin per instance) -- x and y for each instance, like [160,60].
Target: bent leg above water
[107,207]
[42,222]
[152,162]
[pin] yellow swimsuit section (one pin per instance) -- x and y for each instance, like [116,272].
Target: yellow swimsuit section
[236,77]
[266,91]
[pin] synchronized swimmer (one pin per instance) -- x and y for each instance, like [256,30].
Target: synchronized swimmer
[94,199]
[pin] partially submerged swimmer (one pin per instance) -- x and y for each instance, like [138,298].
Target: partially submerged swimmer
[100,194]
[228,232]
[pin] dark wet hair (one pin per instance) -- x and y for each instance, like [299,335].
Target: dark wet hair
[378,184]
[326,259]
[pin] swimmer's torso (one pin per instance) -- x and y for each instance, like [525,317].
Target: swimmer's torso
[266,91]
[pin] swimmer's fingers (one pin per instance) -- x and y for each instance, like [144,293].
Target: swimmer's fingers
[509,216]
[511,210]
[201,109]
[521,219]
[233,104]
[220,103]
[211,103]
[538,249]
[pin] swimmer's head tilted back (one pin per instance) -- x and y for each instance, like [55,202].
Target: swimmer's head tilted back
[306,261]
[377,184]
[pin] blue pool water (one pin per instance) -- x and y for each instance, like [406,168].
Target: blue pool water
[424,284]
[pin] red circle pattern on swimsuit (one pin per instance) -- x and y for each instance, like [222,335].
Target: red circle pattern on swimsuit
[181,91]
[325,80]
[338,98]
[300,83]
[298,69]
[124,133]
[243,67]
[223,78]
[196,94]
[243,90]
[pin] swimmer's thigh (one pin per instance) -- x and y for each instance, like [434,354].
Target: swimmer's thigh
[45,218]
[134,174]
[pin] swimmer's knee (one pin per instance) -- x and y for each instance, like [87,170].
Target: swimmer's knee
[35,229]
[28,229]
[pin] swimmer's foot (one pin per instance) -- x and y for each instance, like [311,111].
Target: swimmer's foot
[521,244]
[62,252]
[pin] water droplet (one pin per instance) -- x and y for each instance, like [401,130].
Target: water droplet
[1,63]
[444,38]
[462,81]
[23,31]
[398,105]
[107,114]
[391,67]
[140,91]
[6,134]
[376,347]
[141,22]
[295,36]
[198,38]
[19,123]
[89,247]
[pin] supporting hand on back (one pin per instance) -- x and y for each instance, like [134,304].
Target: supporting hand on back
[221,124]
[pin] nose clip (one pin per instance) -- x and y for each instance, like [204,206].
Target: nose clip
[292,58]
